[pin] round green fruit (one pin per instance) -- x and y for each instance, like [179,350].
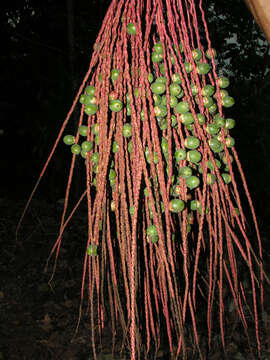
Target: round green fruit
[194,205]
[176,78]
[226,178]
[203,68]
[210,179]
[194,156]
[115,74]
[229,124]
[87,146]
[188,67]
[182,107]
[223,82]
[158,88]
[95,158]
[175,89]
[180,154]
[160,110]
[208,90]
[69,139]
[192,182]
[90,90]
[127,130]
[185,172]
[76,149]
[191,142]
[83,130]
[227,101]
[197,54]
[176,205]
[201,119]
[90,109]
[212,129]
[116,105]
[151,231]
[131,29]
[158,48]
[156,58]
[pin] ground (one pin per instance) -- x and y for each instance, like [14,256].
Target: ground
[38,319]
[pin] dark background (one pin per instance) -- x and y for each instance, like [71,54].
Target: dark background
[45,50]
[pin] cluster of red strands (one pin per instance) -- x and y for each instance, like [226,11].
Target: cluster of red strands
[168,281]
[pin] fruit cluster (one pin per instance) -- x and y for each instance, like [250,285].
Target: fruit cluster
[196,124]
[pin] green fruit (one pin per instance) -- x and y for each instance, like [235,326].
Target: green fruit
[115,74]
[95,158]
[191,142]
[182,107]
[226,178]
[211,53]
[227,101]
[180,154]
[212,129]
[230,142]
[219,120]
[201,119]
[158,88]
[197,54]
[146,192]
[69,139]
[83,98]
[90,90]
[176,78]
[112,174]
[158,48]
[92,250]
[90,109]
[87,146]
[211,166]
[194,89]
[175,89]
[176,205]
[83,130]
[75,149]
[90,100]
[160,110]
[229,124]
[161,79]
[116,105]
[150,77]
[194,156]
[131,29]
[173,101]
[194,205]
[185,172]
[128,110]
[131,210]
[163,123]
[157,99]
[155,57]
[127,130]
[188,67]
[151,231]
[203,68]
[214,144]
[213,108]
[208,101]
[223,82]
[210,179]
[192,182]
[208,90]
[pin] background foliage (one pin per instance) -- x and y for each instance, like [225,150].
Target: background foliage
[46,48]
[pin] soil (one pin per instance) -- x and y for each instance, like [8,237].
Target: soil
[38,318]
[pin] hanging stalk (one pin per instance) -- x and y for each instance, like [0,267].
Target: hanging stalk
[166,228]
